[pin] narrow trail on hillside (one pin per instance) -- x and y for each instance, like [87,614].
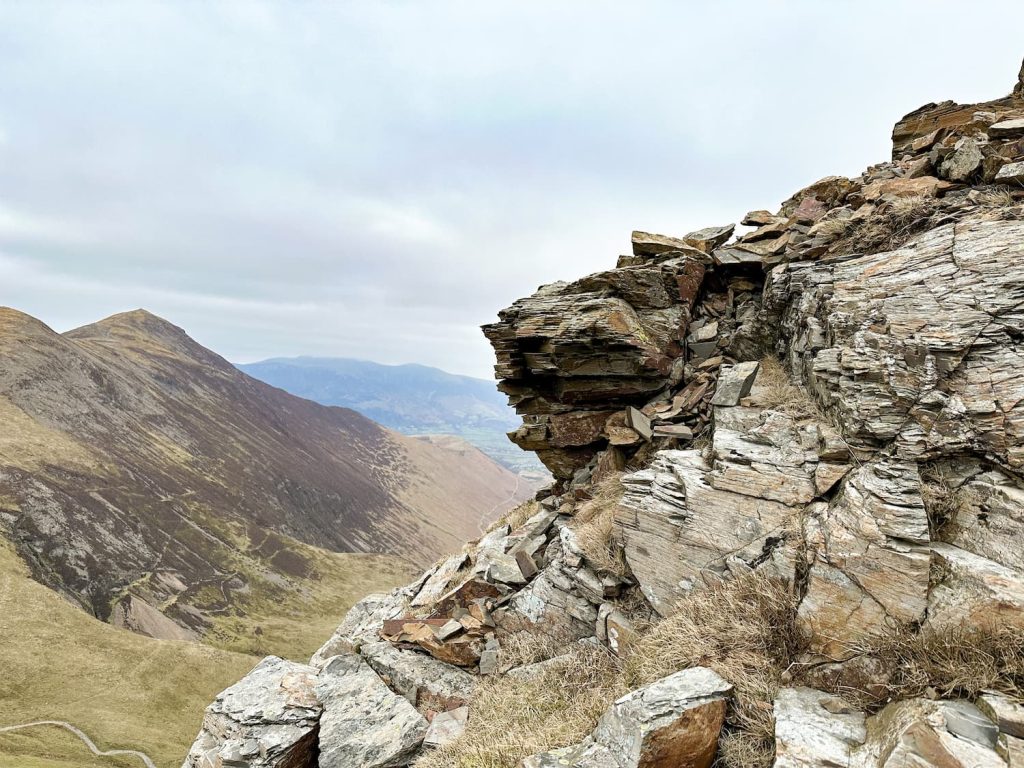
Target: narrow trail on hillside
[85,739]
[487,515]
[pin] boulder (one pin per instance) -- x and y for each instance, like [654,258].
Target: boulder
[1007,129]
[268,719]
[919,732]
[868,560]
[364,724]
[672,723]
[428,684]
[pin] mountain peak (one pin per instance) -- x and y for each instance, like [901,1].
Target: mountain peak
[135,322]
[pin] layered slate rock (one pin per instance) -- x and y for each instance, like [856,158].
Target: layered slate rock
[868,559]
[672,723]
[268,719]
[573,354]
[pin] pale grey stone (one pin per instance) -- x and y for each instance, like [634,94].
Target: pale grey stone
[364,724]
[269,718]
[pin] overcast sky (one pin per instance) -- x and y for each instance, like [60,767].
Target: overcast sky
[377,179]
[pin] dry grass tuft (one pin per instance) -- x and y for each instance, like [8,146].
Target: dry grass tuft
[533,644]
[944,501]
[744,630]
[595,527]
[891,225]
[514,718]
[955,662]
[516,516]
[778,392]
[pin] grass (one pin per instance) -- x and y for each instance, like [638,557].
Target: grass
[595,527]
[743,630]
[956,662]
[944,501]
[775,390]
[516,516]
[513,718]
[124,690]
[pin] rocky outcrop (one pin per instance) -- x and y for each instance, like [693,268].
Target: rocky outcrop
[828,401]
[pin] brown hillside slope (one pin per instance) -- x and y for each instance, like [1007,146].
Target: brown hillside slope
[136,462]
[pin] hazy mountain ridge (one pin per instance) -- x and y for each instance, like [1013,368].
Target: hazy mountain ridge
[412,398]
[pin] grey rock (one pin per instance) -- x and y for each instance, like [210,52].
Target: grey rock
[964,161]
[364,724]
[1007,129]
[427,683]
[268,719]
[638,422]
[361,624]
[1006,712]
[1011,173]
[810,734]
[675,719]
[734,383]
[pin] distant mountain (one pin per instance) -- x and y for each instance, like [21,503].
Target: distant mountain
[414,399]
[161,488]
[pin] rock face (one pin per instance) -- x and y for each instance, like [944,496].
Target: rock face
[830,400]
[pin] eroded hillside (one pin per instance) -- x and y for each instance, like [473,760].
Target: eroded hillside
[150,481]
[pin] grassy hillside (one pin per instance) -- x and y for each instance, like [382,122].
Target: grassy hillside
[132,692]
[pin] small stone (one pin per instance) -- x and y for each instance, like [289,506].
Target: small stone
[707,239]
[1011,173]
[1007,129]
[677,431]
[638,422]
[488,662]
[734,383]
[526,564]
[446,727]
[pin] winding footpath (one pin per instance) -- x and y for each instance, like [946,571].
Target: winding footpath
[485,518]
[87,741]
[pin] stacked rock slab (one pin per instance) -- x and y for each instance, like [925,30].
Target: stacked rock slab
[878,473]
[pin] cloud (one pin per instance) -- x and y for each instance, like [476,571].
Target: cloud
[377,179]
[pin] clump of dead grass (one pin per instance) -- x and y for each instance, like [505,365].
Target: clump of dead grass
[944,500]
[744,630]
[777,391]
[594,525]
[951,662]
[513,718]
[533,644]
[890,225]
[516,516]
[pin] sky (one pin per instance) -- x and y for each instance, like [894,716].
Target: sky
[377,179]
